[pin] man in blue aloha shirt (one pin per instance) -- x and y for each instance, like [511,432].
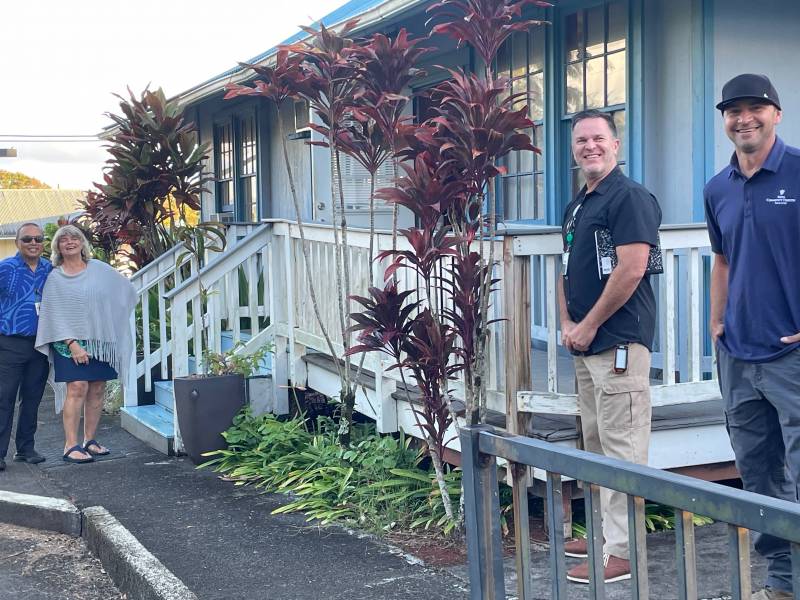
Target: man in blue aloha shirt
[23,370]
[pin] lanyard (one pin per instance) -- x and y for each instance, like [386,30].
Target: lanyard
[569,237]
[572,224]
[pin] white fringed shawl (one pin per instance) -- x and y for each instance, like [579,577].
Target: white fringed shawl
[94,305]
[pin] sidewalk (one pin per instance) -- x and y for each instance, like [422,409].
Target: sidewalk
[223,543]
[221,540]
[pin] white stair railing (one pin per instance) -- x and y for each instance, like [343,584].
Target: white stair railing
[150,322]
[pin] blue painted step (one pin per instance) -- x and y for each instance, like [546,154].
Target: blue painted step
[151,424]
[164,395]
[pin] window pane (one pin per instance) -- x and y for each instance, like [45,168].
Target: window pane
[573,33]
[574,88]
[518,86]
[526,200]
[619,120]
[510,197]
[538,141]
[539,205]
[617,26]
[595,31]
[536,86]
[537,49]
[503,59]
[224,164]
[526,161]
[513,162]
[225,195]
[248,145]
[519,60]
[616,79]
[595,95]
[250,198]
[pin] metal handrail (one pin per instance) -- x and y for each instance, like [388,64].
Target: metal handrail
[741,510]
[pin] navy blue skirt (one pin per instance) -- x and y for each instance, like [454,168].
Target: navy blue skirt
[66,370]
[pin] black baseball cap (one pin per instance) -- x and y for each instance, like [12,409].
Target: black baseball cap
[748,85]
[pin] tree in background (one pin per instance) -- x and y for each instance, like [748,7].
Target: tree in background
[10,180]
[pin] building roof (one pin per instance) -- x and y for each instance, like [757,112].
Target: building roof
[38,206]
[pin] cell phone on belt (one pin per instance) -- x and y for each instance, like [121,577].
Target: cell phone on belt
[621,358]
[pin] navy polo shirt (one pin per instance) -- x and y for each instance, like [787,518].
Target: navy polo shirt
[755,224]
[20,289]
[632,215]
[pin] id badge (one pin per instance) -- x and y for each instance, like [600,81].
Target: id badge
[37,305]
[564,263]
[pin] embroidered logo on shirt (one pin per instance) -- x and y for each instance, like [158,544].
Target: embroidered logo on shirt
[781,199]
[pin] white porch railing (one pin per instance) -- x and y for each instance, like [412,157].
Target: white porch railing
[682,353]
[259,283]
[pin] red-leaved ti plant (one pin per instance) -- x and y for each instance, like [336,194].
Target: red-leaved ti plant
[450,162]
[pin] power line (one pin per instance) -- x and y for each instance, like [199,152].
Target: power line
[42,135]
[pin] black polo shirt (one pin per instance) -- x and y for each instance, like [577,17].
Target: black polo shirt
[632,214]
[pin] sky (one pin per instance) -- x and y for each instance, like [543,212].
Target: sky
[62,61]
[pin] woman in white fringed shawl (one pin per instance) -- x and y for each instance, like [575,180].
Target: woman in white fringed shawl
[84,328]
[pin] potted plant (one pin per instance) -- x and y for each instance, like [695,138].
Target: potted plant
[208,402]
[205,402]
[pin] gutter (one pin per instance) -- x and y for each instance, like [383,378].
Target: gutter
[238,74]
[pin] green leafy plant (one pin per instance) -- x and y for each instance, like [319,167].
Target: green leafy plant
[234,362]
[657,517]
[379,482]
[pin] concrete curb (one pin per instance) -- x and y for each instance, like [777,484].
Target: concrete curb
[40,512]
[131,566]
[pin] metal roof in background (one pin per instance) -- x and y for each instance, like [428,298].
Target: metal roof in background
[40,206]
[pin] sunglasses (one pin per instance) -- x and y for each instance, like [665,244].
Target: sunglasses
[27,239]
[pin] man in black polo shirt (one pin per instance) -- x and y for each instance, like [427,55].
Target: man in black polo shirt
[608,319]
[753,214]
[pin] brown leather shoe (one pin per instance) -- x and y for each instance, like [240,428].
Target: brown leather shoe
[577,548]
[616,569]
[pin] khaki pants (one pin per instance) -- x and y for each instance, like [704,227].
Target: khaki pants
[615,417]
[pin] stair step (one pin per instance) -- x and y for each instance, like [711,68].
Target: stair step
[164,395]
[152,424]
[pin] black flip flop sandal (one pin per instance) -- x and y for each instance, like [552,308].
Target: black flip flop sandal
[87,448]
[78,461]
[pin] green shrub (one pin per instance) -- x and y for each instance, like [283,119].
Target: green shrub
[379,482]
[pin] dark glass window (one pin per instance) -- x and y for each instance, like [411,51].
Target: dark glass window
[223,161]
[247,169]
[521,189]
[236,166]
[595,63]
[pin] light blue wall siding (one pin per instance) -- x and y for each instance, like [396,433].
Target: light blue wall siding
[762,38]
[280,197]
[668,116]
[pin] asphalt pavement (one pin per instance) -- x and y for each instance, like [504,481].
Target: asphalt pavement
[223,542]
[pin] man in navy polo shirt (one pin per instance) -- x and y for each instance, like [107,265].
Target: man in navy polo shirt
[753,214]
[23,370]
